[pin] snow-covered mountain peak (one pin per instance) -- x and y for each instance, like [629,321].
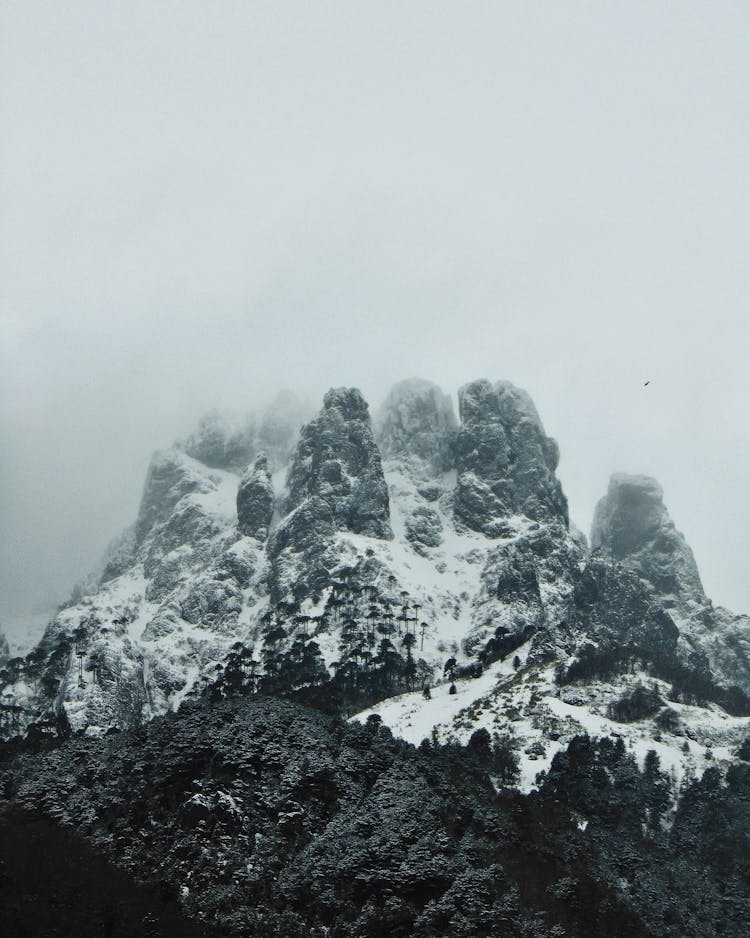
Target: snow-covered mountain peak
[369,564]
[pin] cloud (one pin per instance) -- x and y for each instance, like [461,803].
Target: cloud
[202,204]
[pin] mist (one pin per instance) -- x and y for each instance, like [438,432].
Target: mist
[205,203]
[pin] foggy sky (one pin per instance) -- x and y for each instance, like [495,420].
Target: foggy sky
[203,202]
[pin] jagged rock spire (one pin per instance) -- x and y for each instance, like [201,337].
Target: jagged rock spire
[632,525]
[338,461]
[255,499]
[506,462]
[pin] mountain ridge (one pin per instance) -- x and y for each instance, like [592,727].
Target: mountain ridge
[364,555]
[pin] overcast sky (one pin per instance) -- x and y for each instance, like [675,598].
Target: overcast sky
[203,202]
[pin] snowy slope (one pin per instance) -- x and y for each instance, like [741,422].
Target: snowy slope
[464,524]
[539,719]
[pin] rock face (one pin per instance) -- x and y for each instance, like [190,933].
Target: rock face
[505,461]
[424,528]
[527,582]
[223,441]
[631,525]
[726,645]
[231,441]
[338,461]
[417,420]
[4,648]
[255,500]
[456,544]
[169,478]
[335,484]
[613,604]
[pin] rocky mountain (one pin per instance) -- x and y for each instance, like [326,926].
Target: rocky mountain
[209,710]
[419,566]
[4,648]
[633,527]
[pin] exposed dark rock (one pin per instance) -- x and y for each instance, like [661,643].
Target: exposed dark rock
[632,525]
[164,623]
[170,477]
[187,525]
[506,463]
[304,528]
[120,554]
[222,441]
[475,504]
[212,603]
[417,420]
[423,527]
[338,461]
[298,546]
[237,564]
[725,639]
[255,500]
[527,583]
[430,492]
[168,573]
[4,649]
[611,604]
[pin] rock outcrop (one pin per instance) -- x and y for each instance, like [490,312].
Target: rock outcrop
[376,572]
[231,441]
[632,526]
[612,605]
[338,461]
[4,648]
[223,441]
[170,477]
[255,500]
[527,583]
[335,484]
[505,461]
[417,421]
